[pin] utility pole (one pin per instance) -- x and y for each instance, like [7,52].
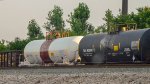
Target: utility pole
[124,7]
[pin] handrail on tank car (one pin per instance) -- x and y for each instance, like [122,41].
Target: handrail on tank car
[123,27]
[54,35]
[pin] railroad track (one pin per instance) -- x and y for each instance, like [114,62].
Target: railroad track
[83,66]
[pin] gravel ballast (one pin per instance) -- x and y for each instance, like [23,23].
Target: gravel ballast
[75,76]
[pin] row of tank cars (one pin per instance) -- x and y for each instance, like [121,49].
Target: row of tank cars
[132,46]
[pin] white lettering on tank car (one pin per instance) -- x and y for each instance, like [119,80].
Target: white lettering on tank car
[88,50]
[127,50]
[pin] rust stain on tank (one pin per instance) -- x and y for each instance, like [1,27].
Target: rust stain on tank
[44,52]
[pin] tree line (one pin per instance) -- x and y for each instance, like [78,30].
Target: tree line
[79,25]
[141,18]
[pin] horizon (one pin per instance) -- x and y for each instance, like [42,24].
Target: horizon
[16,14]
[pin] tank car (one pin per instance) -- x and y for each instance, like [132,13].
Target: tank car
[60,50]
[131,46]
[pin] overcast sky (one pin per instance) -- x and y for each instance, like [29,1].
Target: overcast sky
[15,14]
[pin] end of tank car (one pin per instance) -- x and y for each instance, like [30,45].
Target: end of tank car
[124,45]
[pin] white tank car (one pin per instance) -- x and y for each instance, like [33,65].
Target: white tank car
[64,49]
[32,51]
[60,50]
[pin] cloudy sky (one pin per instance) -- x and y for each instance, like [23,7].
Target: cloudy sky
[15,14]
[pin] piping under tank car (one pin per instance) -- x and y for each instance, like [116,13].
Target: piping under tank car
[125,45]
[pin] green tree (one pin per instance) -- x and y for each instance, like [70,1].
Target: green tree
[101,28]
[78,19]
[90,28]
[34,31]
[142,18]
[18,44]
[109,20]
[3,47]
[112,21]
[124,19]
[55,20]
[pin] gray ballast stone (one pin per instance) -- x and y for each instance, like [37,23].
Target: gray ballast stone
[76,76]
